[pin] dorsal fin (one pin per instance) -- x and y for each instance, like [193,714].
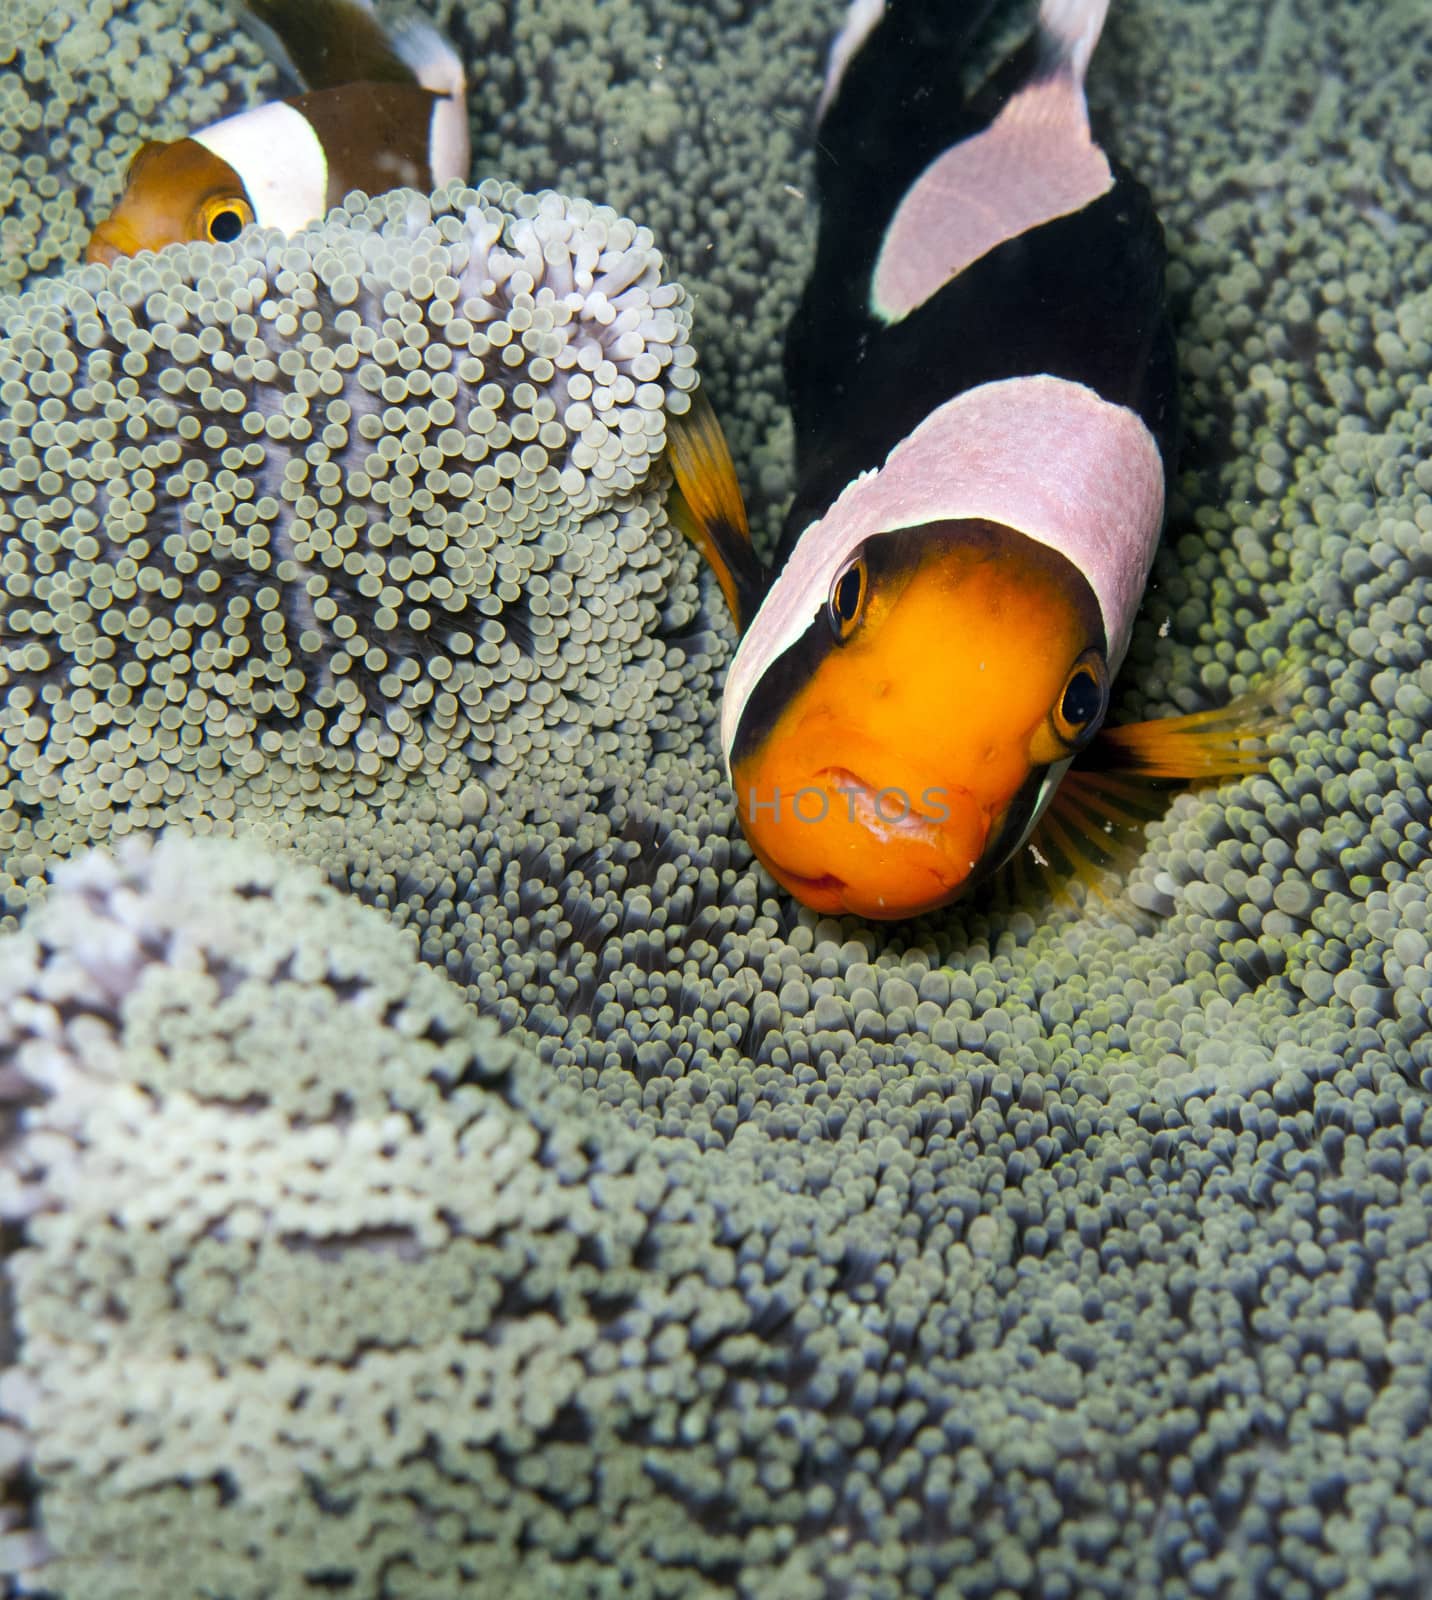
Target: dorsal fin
[706,505]
[1067,31]
[327,43]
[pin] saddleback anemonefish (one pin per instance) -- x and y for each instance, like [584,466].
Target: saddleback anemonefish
[983,382]
[383,109]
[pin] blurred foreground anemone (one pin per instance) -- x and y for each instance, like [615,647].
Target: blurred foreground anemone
[363,1265]
[288,522]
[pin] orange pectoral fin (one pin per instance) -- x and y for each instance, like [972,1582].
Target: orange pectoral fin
[1093,826]
[706,505]
[1095,822]
[1227,742]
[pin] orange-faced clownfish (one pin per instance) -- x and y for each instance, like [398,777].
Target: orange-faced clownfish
[384,108]
[983,382]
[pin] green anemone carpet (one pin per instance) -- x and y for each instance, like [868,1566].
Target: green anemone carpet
[439,1162]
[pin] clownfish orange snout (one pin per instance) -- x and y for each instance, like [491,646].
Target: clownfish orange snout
[907,734]
[111,240]
[842,845]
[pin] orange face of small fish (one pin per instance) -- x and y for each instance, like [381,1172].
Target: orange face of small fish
[958,666]
[175,192]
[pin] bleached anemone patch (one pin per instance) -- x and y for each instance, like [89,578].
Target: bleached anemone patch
[553,293]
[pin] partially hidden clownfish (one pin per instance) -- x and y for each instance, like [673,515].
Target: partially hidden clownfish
[983,382]
[383,108]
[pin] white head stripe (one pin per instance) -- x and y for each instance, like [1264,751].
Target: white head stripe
[279,160]
[1044,456]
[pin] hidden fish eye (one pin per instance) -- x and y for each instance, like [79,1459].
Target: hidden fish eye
[847,598]
[225,219]
[1083,700]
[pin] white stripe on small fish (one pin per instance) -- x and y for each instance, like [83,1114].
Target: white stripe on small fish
[279,159]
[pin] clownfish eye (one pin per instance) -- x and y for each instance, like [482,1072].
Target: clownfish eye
[1084,700]
[224,220]
[847,598]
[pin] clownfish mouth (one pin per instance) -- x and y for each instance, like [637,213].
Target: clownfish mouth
[890,807]
[878,851]
[110,242]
